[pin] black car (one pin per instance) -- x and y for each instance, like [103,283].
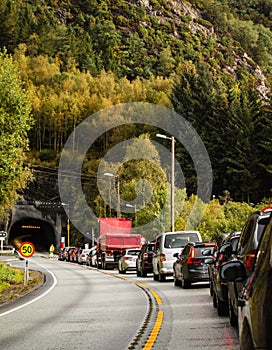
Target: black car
[190,266]
[255,297]
[218,286]
[144,260]
[246,252]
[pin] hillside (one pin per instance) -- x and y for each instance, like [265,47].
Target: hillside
[142,37]
[209,60]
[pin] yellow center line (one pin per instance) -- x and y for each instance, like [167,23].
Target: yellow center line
[153,336]
[140,284]
[157,327]
[156,297]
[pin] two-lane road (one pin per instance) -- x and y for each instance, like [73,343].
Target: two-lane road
[91,309]
[85,310]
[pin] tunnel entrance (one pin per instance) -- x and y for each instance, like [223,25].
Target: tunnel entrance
[36,231]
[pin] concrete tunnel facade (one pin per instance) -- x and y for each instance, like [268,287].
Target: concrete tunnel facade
[41,225]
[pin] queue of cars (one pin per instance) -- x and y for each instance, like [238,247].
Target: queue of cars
[238,269]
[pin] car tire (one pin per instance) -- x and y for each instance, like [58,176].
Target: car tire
[232,317]
[162,277]
[246,342]
[211,289]
[143,273]
[185,283]
[214,300]
[222,307]
[176,282]
[155,277]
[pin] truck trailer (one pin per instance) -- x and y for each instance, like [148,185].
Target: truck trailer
[115,236]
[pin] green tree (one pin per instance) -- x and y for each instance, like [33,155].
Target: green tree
[15,122]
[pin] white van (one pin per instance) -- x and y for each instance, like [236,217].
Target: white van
[166,245]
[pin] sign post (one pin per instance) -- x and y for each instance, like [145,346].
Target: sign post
[26,250]
[3,236]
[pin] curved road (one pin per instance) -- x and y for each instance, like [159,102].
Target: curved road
[85,310]
[92,309]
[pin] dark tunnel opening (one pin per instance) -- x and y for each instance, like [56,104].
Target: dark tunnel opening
[36,231]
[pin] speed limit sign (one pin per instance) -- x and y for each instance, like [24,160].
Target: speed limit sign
[27,249]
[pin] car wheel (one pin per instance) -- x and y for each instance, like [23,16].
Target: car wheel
[162,277]
[155,277]
[222,307]
[232,317]
[176,282]
[246,342]
[211,289]
[185,283]
[143,273]
[214,300]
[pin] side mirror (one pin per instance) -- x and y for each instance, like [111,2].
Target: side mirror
[233,271]
[226,249]
[176,255]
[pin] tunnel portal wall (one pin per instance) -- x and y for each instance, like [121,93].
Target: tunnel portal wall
[39,226]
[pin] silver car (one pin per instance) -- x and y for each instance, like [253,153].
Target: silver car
[82,258]
[166,245]
[127,262]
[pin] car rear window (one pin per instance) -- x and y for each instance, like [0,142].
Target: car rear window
[133,252]
[198,251]
[179,240]
[150,248]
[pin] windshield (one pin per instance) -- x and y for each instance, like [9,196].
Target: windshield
[179,240]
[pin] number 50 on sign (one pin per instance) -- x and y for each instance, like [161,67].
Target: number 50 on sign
[26,249]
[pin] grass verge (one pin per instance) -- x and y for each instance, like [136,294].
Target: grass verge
[12,283]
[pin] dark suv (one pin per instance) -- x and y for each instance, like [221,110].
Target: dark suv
[218,286]
[246,252]
[144,260]
[255,297]
[190,265]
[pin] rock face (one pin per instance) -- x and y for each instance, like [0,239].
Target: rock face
[196,23]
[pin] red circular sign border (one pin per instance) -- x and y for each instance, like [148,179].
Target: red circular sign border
[21,246]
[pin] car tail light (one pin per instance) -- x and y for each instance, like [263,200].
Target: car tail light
[145,256]
[192,259]
[108,254]
[265,209]
[83,255]
[162,257]
[250,257]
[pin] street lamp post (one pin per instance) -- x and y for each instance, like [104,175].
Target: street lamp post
[68,224]
[118,192]
[172,178]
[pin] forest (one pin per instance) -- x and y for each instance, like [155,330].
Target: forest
[208,60]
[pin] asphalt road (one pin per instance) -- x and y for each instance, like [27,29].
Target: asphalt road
[79,308]
[83,310]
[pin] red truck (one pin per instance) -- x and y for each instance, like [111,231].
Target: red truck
[115,236]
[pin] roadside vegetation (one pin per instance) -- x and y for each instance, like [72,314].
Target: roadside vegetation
[12,284]
[208,60]
[9,276]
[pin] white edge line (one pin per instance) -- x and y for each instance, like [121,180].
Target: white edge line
[33,300]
